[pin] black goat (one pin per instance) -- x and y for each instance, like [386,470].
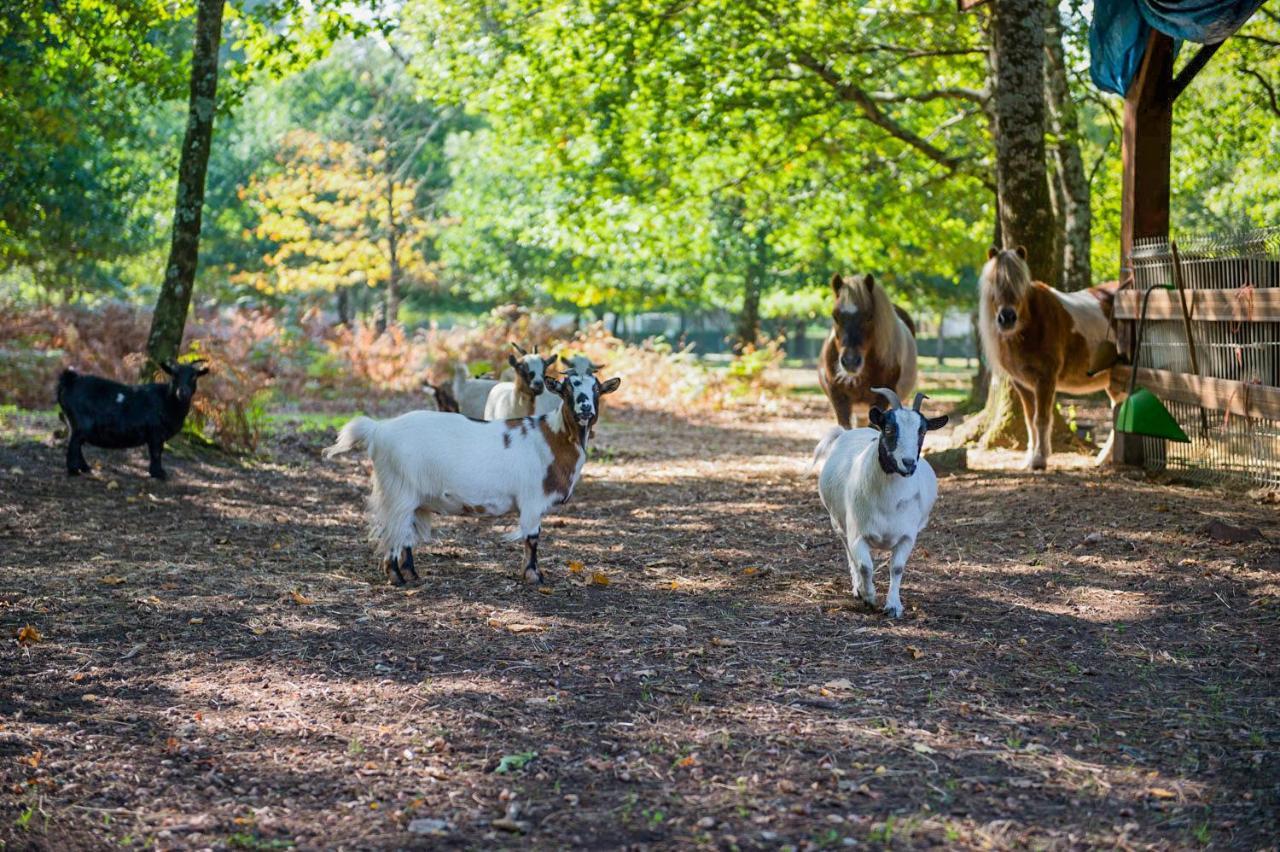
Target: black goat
[108,414]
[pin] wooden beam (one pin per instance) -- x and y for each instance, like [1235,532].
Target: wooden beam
[1192,68]
[1144,190]
[1240,398]
[1145,147]
[1260,305]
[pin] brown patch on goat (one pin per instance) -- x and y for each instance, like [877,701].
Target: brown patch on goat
[565,448]
[469,509]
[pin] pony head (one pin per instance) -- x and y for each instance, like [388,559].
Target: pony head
[1005,282]
[857,302]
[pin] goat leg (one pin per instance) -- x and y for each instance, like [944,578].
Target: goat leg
[75,455]
[390,566]
[154,449]
[406,562]
[531,572]
[868,566]
[897,564]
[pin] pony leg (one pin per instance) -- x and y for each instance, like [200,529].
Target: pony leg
[1028,399]
[1046,396]
[1104,454]
[843,407]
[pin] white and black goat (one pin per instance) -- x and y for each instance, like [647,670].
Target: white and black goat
[115,416]
[519,398]
[427,462]
[878,491]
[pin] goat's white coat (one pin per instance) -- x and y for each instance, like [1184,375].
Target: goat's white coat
[872,509]
[508,400]
[428,461]
[472,394]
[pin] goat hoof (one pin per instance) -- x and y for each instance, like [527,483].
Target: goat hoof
[534,577]
[160,475]
[893,611]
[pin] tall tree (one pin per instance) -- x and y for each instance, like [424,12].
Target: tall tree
[170,317]
[1070,184]
[1017,63]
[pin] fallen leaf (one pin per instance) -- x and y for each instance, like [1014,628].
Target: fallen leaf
[33,759]
[722,643]
[687,761]
[921,748]
[111,580]
[28,635]
[576,567]
[195,621]
[526,628]
[544,590]
[1162,793]
[113,486]
[599,578]
[915,652]
[750,571]
[300,599]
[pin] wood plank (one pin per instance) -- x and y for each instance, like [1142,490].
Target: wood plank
[1246,400]
[1260,305]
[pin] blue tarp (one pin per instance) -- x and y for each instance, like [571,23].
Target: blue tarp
[1118,35]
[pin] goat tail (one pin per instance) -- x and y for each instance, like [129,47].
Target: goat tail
[354,435]
[824,447]
[66,379]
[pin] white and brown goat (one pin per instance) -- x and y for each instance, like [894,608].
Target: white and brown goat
[519,398]
[428,462]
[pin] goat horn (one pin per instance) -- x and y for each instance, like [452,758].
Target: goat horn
[888,394]
[519,348]
[920,397]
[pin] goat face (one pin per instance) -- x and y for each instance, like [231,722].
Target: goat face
[182,378]
[532,370]
[581,396]
[902,437]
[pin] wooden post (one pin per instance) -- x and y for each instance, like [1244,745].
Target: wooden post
[1144,197]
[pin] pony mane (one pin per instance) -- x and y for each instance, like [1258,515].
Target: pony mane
[1004,273]
[885,340]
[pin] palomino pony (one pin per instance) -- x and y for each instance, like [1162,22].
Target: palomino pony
[872,344]
[1044,340]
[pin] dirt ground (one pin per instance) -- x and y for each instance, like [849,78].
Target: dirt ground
[220,664]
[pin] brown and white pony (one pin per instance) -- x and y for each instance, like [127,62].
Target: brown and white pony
[872,344]
[1044,340]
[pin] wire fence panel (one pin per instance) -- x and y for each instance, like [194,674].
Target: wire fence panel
[1225,448]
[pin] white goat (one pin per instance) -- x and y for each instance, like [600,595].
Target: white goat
[517,398]
[472,394]
[427,461]
[878,491]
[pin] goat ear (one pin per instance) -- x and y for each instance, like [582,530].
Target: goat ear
[936,422]
[168,367]
[1022,252]
[547,362]
[610,386]
[837,283]
[876,416]
[511,359]
[553,385]
[869,281]
[992,252]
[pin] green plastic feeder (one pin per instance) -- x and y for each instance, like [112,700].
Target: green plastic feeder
[1144,414]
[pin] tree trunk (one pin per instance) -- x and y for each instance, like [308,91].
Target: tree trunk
[1070,183]
[748,328]
[1016,65]
[942,340]
[344,306]
[391,307]
[170,317]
